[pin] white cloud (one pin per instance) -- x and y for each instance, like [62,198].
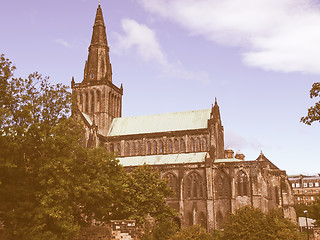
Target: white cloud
[237,142]
[144,41]
[62,42]
[278,35]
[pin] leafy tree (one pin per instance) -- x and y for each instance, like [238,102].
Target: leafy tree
[50,185]
[251,224]
[314,111]
[144,193]
[195,232]
[162,231]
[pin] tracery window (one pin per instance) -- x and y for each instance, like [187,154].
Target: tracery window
[173,183]
[242,183]
[148,148]
[92,102]
[176,145]
[222,185]
[81,98]
[182,145]
[198,144]
[87,102]
[154,147]
[133,149]
[192,145]
[139,148]
[127,149]
[111,148]
[119,149]
[169,146]
[161,147]
[194,186]
[204,144]
[98,100]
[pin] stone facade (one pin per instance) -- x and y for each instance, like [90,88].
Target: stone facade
[187,148]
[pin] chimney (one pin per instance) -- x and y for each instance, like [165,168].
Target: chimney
[240,155]
[228,153]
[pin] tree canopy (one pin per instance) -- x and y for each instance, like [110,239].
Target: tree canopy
[314,111]
[50,184]
[252,224]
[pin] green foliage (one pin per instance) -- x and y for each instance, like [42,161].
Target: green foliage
[251,224]
[195,232]
[162,231]
[314,111]
[144,193]
[313,210]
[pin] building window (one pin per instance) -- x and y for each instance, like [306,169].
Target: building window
[316,184]
[139,148]
[111,148]
[133,149]
[148,148]
[119,149]
[222,185]
[310,184]
[92,102]
[127,149]
[87,102]
[312,198]
[293,185]
[173,183]
[194,186]
[176,145]
[154,147]
[191,145]
[169,146]
[160,147]
[198,145]
[298,198]
[305,184]
[297,184]
[204,144]
[242,184]
[182,146]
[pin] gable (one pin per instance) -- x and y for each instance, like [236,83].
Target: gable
[168,122]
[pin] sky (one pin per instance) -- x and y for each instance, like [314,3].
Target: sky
[259,58]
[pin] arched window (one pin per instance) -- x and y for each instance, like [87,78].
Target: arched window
[111,148]
[148,148]
[204,144]
[203,220]
[139,148]
[242,182]
[191,145]
[172,183]
[161,147]
[119,149]
[222,185]
[81,98]
[219,219]
[92,101]
[154,147]
[176,145]
[182,145]
[98,100]
[169,146]
[127,149]
[133,149]
[198,145]
[194,186]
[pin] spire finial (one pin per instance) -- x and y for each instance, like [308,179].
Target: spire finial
[99,2]
[215,100]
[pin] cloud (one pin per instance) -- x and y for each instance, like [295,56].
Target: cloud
[278,35]
[237,142]
[144,41]
[62,42]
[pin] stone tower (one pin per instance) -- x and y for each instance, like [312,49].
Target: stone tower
[97,97]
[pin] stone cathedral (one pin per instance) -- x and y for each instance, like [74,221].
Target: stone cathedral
[187,148]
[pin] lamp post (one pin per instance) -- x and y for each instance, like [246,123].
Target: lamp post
[306,212]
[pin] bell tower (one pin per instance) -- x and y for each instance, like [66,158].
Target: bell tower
[98,99]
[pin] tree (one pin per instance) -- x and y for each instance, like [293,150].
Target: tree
[314,111]
[251,224]
[50,185]
[195,232]
[144,194]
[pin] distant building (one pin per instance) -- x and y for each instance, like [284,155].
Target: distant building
[187,148]
[305,188]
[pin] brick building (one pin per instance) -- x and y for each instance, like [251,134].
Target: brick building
[186,147]
[305,188]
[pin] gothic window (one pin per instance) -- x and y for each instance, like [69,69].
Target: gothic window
[194,188]
[172,183]
[127,149]
[139,148]
[91,75]
[222,185]
[203,220]
[190,218]
[154,147]
[92,102]
[109,108]
[119,149]
[148,148]
[98,100]
[276,189]
[191,145]
[81,98]
[219,219]
[182,145]
[204,144]
[133,149]
[169,146]
[242,183]
[160,147]
[198,146]
[176,145]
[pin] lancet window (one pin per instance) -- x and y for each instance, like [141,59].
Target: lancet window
[242,183]
[222,185]
[194,186]
[173,183]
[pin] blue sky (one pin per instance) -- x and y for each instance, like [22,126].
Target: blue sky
[258,57]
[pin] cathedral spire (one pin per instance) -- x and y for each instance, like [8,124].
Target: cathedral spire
[215,111]
[98,67]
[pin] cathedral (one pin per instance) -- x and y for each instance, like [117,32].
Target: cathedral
[187,148]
